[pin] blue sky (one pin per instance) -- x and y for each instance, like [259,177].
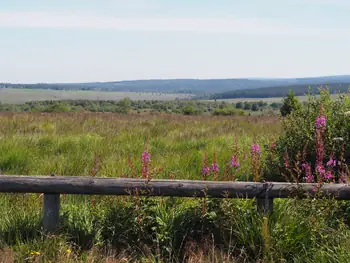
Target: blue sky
[106,40]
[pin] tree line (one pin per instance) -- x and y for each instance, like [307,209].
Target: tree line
[281,91]
[186,107]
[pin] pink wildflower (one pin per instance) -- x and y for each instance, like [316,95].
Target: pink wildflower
[146,157]
[331,162]
[205,170]
[255,148]
[328,176]
[321,122]
[235,162]
[215,167]
[309,178]
[320,169]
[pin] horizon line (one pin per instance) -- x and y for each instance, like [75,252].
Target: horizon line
[165,79]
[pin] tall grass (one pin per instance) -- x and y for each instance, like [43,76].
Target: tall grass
[139,229]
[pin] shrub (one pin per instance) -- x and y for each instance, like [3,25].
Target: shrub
[190,110]
[302,142]
[229,112]
[290,103]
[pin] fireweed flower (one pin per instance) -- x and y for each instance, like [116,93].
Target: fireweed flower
[205,171]
[331,162]
[328,176]
[145,160]
[320,169]
[306,168]
[214,167]
[255,149]
[146,157]
[309,179]
[321,122]
[235,162]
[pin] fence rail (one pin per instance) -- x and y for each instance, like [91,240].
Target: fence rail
[53,186]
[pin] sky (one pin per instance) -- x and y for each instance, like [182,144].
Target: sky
[111,40]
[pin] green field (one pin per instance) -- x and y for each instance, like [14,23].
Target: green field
[16,96]
[135,229]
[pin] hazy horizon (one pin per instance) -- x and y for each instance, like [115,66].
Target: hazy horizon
[125,80]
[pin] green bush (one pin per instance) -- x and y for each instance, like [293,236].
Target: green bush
[190,110]
[290,103]
[297,143]
[229,112]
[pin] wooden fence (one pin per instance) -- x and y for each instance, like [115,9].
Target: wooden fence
[53,186]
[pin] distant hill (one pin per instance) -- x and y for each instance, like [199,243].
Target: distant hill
[281,91]
[201,87]
[194,86]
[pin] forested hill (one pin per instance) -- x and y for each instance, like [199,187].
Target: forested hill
[194,86]
[203,87]
[281,91]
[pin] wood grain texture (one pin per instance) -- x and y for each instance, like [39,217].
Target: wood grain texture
[181,188]
[51,215]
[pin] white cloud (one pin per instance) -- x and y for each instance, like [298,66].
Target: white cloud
[248,26]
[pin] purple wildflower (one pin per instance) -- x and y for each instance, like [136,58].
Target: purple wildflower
[205,170]
[328,176]
[320,169]
[309,178]
[256,148]
[331,162]
[321,122]
[146,157]
[214,167]
[235,162]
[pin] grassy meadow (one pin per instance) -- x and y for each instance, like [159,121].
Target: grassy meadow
[141,229]
[16,96]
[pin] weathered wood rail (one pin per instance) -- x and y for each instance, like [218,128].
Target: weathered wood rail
[53,186]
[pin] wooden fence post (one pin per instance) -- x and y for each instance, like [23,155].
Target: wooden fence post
[51,212]
[265,204]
